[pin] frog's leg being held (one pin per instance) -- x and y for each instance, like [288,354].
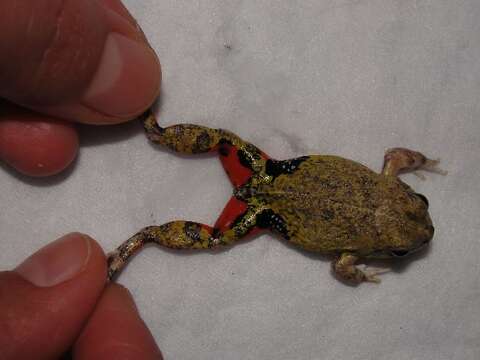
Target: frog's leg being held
[240,160]
[237,220]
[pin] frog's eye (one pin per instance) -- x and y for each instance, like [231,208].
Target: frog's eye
[399,253]
[423,198]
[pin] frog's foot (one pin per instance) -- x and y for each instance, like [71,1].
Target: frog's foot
[401,160]
[117,259]
[114,264]
[370,273]
[345,269]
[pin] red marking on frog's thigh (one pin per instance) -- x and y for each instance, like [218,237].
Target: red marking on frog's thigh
[237,173]
[255,230]
[207,228]
[230,213]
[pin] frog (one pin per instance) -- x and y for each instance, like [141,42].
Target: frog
[323,204]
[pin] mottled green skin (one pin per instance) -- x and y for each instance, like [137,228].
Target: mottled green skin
[333,205]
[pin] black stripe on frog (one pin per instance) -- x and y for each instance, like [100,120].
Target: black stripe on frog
[278,167]
[268,219]
[248,155]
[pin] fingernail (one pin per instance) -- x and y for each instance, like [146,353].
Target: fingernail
[57,262]
[127,80]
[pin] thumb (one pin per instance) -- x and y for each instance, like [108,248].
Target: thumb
[85,60]
[46,301]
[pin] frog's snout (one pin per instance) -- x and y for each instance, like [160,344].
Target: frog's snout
[429,234]
[419,215]
[430,231]
[426,234]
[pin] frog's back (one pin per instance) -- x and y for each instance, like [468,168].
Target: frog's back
[328,203]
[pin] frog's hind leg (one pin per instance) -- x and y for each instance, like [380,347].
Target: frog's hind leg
[182,138]
[239,158]
[401,160]
[236,221]
[173,235]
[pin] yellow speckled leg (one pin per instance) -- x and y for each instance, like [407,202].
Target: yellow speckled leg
[196,139]
[173,235]
[401,160]
[188,138]
[181,235]
[345,269]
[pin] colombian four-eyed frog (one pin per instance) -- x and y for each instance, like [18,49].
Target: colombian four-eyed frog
[320,203]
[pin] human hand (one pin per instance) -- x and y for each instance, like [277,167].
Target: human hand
[58,299]
[83,61]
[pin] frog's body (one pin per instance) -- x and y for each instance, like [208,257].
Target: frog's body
[321,203]
[333,205]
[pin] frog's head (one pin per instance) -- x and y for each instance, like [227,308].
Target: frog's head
[404,224]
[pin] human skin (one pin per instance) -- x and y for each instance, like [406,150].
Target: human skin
[63,62]
[58,299]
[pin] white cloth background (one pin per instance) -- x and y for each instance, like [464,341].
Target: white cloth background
[294,77]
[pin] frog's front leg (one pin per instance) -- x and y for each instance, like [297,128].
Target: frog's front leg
[401,160]
[345,269]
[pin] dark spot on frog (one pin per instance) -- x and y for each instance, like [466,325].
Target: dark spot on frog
[247,155]
[245,192]
[148,234]
[242,157]
[202,142]
[216,233]
[268,219]
[224,147]
[192,230]
[223,150]
[278,167]
[352,230]
[327,215]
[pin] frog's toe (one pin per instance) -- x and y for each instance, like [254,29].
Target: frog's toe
[431,165]
[370,273]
